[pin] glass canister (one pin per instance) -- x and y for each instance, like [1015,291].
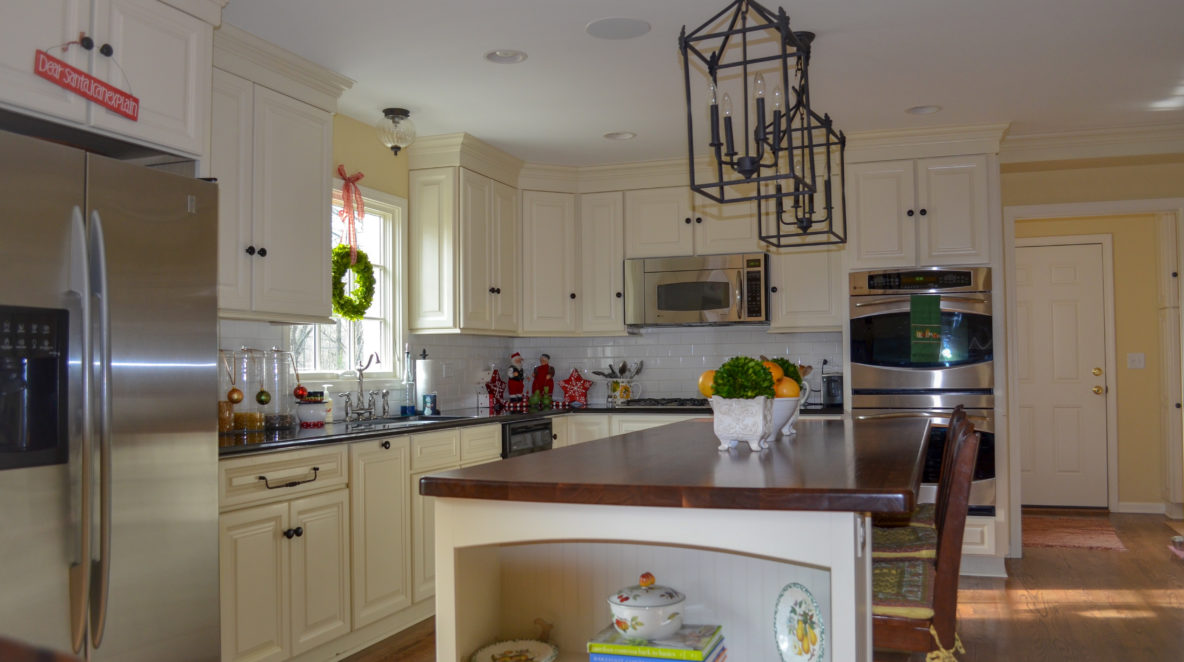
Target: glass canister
[247,370]
[276,398]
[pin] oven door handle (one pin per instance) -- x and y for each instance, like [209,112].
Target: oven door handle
[944,298]
[902,414]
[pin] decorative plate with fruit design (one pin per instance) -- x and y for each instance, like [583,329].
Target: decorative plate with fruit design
[798,625]
[518,650]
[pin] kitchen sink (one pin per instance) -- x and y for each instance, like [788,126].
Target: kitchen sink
[399,422]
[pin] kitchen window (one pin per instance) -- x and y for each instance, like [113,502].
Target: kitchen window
[327,350]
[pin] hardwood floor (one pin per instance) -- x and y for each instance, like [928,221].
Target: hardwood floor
[1056,604]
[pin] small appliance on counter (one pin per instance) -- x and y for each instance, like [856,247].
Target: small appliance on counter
[832,389]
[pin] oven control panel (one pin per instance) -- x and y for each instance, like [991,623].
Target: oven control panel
[934,279]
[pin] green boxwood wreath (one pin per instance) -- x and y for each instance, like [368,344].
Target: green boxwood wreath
[354,306]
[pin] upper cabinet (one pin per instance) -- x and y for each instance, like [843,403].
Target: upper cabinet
[549,247]
[807,290]
[272,155]
[154,52]
[664,222]
[601,258]
[464,248]
[923,212]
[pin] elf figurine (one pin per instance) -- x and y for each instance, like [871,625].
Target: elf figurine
[515,378]
[543,377]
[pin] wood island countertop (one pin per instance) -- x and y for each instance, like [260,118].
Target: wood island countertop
[871,466]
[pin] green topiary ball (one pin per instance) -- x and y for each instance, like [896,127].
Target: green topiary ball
[744,378]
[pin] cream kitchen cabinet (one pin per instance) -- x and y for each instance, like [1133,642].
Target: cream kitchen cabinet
[550,259]
[807,291]
[601,255]
[464,246]
[271,154]
[284,576]
[588,427]
[157,53]
[625,423]
[380,506]
[921,212]
[674,221]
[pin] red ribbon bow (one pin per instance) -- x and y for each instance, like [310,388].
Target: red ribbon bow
[351,208]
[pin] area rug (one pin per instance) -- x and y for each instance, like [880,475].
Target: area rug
[1081,532]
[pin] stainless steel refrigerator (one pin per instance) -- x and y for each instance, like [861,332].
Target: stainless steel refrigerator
[108,434]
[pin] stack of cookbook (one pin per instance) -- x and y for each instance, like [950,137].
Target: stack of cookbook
[696,643]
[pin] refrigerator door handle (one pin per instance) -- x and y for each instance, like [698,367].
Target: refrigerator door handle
[80,571]
[101,574]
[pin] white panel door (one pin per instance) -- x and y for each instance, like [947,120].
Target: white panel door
[658,222]
[381,528]
[161,55]
[423,542]
[504,246]
[477,292]
[43,24]
[880,197]
[320,569]
[431,249]
[233,114]
[952,210]
[292,204]
[588,427]
[1061,349]
[806,288]
[725,228]
[549,262]
[602,274]
[253,569]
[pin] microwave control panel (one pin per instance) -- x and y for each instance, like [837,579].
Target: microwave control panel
[755,285]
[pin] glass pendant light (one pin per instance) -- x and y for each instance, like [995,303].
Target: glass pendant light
[395,129]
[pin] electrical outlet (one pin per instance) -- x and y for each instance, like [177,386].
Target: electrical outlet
[1136,361]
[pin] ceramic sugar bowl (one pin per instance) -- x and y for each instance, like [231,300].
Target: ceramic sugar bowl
[647,610]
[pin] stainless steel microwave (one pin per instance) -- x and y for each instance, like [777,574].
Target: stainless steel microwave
[709,289]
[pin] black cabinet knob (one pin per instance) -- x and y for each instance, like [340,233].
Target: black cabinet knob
[250,250]
[386,445]
[299,531]
[262,252]
[698,219]
[619,295]
[497,291]
[773,289]
[687,220]
[572,295]
[106,49]
[87,43]
[924,211]
[492,291]
[909,213]
[289,533]
[554,437]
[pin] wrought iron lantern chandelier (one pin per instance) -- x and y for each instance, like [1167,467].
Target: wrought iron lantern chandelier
[785,156]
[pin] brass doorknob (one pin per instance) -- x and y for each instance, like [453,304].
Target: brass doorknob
[1097,372]
[1098,389]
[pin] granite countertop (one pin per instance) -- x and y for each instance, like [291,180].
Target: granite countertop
[243,443]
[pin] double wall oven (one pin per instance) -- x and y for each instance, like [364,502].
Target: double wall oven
[890,379]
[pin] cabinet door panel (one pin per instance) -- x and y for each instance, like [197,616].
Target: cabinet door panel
[232,111]
[380,544]
[725,228]
[476,233]
[292,145]
[43,24]
[810,289]
[880,195]
[504,245]
[430,252]
[253,562]
[162,56]
[423,542]
[602,275]
[656,222]
[320,570]
[953,192]
[549,262]
[587,427]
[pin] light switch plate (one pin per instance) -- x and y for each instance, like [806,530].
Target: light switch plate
[1136,361]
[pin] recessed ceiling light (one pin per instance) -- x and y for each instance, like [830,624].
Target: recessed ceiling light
[923,110]
[617,28]
[620,135]
[505,56]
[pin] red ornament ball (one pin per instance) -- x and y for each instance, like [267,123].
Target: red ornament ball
[299,391]
[234,395]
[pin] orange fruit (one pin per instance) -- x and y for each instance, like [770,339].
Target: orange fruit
[775,369]
[707,383]
[786,387]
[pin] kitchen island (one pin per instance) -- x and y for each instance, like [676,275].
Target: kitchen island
[550,535]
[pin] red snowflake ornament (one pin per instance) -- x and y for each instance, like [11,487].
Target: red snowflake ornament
[575,388]
[496,388]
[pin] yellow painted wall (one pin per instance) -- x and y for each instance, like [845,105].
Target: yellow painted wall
[356,145]
[1140,449]
[1093,180]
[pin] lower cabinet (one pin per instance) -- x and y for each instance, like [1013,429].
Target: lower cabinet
[380,540]
[623,423]
[587,427]
[284,578]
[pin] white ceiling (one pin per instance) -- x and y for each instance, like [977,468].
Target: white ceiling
[1041,65]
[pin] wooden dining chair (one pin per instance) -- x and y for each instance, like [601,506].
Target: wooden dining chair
[915,600]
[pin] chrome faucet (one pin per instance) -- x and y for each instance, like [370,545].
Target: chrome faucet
[373,359]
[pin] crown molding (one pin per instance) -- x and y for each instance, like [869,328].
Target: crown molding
[463,150]
[1093,143]
[209,11]
[243,54]
[864,146]
[601,178]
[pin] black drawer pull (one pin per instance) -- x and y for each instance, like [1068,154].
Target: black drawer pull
[291,483]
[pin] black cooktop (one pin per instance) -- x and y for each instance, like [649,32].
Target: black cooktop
[665,402]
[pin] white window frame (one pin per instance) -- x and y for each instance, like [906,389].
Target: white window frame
[392,358]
